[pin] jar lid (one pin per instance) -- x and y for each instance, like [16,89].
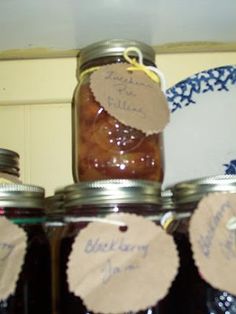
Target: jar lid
[116,191]
[55,204]
[167,199]
[9,161]
[21,195]
[194,190]
[114,47]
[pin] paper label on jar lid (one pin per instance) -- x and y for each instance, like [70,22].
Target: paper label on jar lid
[131,97]
[122,263]
[13,243]
[213,239]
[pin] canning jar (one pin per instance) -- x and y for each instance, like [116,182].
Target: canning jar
[9,166]
[54,226]
[190,293]
[103,147]
[88,202]
[23,205]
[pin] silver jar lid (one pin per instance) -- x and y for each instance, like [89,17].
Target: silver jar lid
[167,199]
[116,191]
[21,195]
[55,204]
[194,190]
[114,47]
[9,162]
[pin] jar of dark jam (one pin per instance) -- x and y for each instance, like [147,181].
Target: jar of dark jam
[24,206]
[85,202]
[54,226]
[9,166]
[189,292]
[103,147]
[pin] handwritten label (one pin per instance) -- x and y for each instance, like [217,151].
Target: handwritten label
[114,245]
[126,267]
[13,243]
[131,97]
[213,243]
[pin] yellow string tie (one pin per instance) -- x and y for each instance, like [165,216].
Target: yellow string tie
[88,71]
[152,72]
[140,67]
[167,220]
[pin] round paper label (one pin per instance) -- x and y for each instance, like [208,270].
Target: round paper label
[131,97]
[213,239]
[124,268]
[13,243]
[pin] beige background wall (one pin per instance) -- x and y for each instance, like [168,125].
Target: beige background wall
[35,110]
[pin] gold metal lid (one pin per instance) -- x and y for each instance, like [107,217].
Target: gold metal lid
[114,47]
[21,195]
[113,192]
[194,190]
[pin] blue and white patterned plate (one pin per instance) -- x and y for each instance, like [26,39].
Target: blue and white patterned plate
[200,138]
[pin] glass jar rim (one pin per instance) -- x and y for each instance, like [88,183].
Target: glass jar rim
[21,195]
[114,47]
[113,191]
[193,190]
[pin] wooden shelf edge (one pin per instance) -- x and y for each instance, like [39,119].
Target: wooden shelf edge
[169,48]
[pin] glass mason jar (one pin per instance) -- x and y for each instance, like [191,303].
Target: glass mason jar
[24,206]
[9,166]
[189,292]
[84,203]
[103,147]
[54,226]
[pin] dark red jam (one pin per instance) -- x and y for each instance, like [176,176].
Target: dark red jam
[69,303]
[33,290]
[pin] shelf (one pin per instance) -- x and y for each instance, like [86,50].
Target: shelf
[62,27]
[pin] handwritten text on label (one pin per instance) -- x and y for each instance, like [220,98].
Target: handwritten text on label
[122,104]
[205,241]
[111,75]
[114,245]
[110,270]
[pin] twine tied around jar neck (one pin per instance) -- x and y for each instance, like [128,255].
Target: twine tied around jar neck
[152,72]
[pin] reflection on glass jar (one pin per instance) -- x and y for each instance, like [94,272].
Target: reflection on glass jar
[104,148]
[24,206]
[220,302]
[199,296]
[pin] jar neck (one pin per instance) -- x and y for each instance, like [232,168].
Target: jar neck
[103,210]
[23,215]
[108,60]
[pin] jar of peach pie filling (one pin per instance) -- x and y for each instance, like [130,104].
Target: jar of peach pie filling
[190,293]
[103,147]
[89,202]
